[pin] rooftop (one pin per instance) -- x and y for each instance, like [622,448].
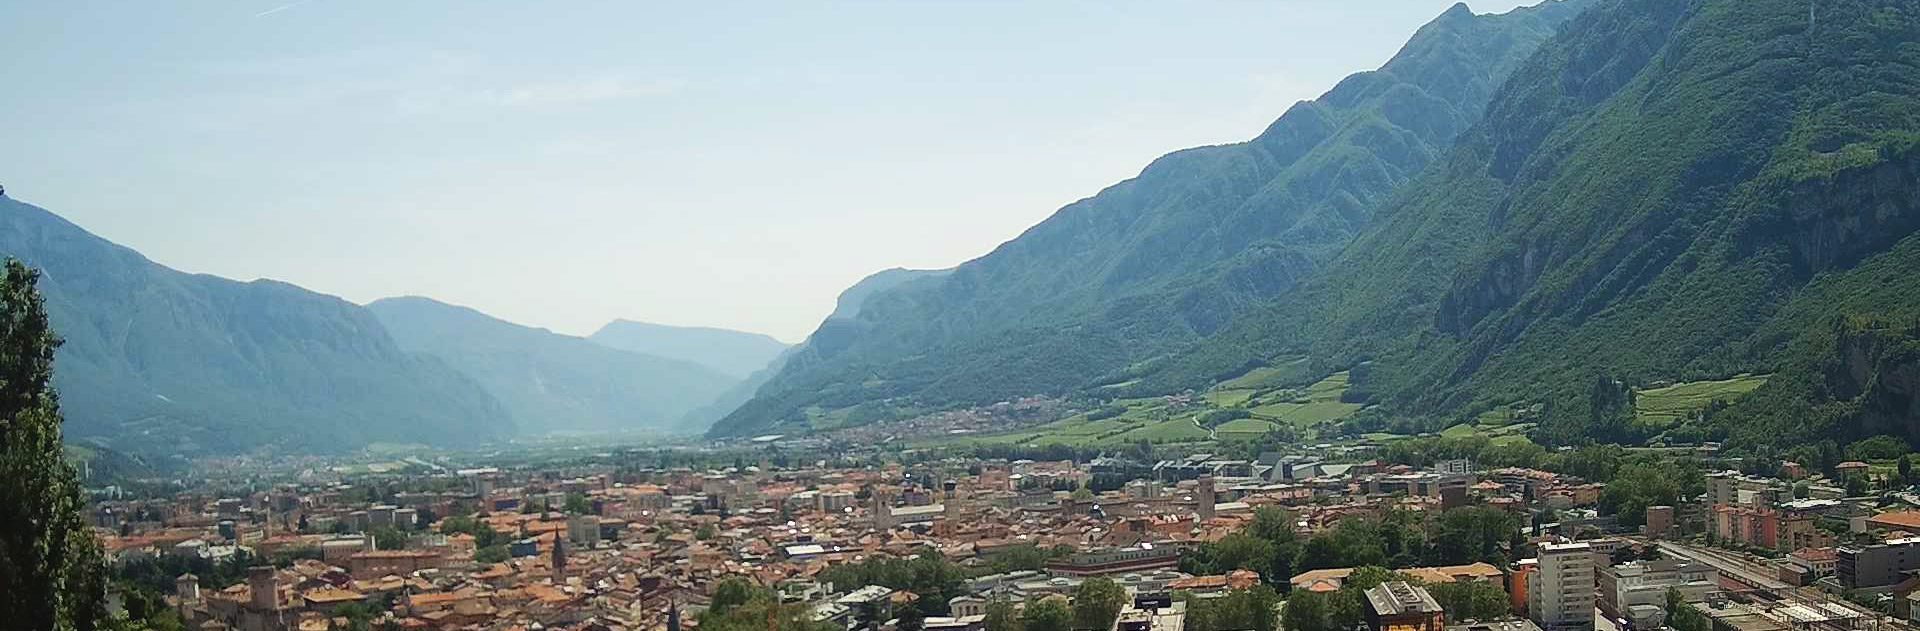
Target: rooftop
[1401,598]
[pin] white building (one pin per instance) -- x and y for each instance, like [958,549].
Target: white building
[1561,593]
[1647,582]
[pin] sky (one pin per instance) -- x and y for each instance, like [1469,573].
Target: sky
[562,164]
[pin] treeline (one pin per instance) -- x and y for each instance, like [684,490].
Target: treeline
[1633,480]
[1397,539]
[1345,608]
[934,578]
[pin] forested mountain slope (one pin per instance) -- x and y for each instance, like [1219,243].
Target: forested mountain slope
[551,382]
[1669,190]
[840,328]
[1110,284]
[157,361]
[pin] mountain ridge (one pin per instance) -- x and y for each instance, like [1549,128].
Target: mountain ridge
[161,361]
[736,353]
[1149,265]
[550,382]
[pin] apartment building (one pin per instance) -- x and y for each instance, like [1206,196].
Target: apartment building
[1560,593]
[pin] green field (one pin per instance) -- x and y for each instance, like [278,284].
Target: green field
[1269,377]
[1663,406]
[1244,428]
[1230,398]
[1273,395]
[1497,434]
[1316,404]
[1170,431]
[1146,418]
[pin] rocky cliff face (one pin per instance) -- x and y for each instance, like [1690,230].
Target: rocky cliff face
[1875,374]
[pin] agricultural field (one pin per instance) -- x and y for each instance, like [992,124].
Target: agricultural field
[1663,406]
[1148,418]
[1499,434]
[1316,404]
[1244,428]
[1273,396]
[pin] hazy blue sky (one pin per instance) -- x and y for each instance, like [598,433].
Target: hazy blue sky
[561,164]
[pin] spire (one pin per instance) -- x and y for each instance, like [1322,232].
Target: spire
[673,615]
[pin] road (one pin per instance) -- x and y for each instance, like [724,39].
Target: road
[1744,569]
[1731,565]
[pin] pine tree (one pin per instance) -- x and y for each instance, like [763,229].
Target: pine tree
[51,575]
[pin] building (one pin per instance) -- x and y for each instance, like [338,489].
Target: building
[1903,521]
[1142,558]
[1766,527]
[1646,583]
[1809,564]
[1560,593]
[1497,625]
[1205,497]
[1879,565]
[584,530]
[1659,521]
[1400,606]
[378,563]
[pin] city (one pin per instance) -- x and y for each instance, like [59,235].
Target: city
[616,541]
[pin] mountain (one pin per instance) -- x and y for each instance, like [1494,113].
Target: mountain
[839,326]
[157,361]
[1112,285]
[548,381]
[734,353]
[1669,191]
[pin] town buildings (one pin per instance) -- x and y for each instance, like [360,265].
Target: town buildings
[1561,591]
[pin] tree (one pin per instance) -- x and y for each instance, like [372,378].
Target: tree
[1639,485]
[492,554]
[388,538]
[1905,467]
[51,572]
[730,594]
[1470,534]
[577,504]
[1001,616]
[1237,610]
[1097,603]
[1242,552]
[1371,576]
[1047,614]
[1470,600]
[1682,617]
[1311,611]
[910,619]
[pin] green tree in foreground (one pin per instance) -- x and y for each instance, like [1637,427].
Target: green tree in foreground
[51,574]
[1097,603]
[1047,614]
[1001,616]
[1239,610]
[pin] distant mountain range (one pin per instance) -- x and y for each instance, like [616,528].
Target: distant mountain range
[161,363]
[730,352]
[551,382]
[1537,210]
